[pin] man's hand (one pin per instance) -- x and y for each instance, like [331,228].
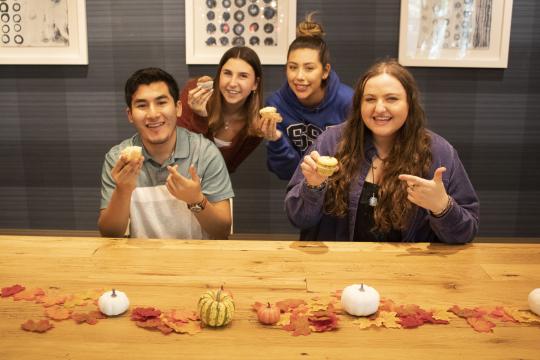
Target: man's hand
[182,188]
[125,173]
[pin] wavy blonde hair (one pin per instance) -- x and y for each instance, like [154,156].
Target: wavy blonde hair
[410,154]
[254,100]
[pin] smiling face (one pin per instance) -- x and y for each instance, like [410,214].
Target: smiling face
[236,82]
[153,112]
[305,74]
[384,106]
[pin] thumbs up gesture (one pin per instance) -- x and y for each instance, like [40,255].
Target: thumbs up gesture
[182,188]
[429,194]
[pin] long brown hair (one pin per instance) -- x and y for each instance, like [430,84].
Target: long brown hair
[254,100]
[410,154]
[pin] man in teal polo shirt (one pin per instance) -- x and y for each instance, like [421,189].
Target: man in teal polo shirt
[180,187]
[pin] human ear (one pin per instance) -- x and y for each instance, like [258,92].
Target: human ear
[129,115]
[178,108]
[326,71]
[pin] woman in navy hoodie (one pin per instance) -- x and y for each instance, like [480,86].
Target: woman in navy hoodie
[397,181]
[312,100]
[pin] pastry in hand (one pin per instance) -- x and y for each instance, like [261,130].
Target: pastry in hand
[205,82]
[326,165]
[132,153]
[270,112]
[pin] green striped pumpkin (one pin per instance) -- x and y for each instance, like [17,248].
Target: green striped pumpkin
[216,308]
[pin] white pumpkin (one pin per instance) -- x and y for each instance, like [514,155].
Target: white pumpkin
[360,300]
[113,303]
[534,301]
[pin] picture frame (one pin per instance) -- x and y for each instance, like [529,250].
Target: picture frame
[458,33]
[213,26]
[38,32]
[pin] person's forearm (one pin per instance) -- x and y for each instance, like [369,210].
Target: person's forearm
[114,219]
[215,219]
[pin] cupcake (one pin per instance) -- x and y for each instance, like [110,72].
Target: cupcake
[326,165]
[132,153]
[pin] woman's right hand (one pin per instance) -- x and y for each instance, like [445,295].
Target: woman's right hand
[197,100]
[309,169]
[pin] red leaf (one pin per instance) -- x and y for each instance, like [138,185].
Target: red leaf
[40,326]
[11,290]
[143,314]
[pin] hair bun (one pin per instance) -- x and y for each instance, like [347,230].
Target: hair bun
[308,27]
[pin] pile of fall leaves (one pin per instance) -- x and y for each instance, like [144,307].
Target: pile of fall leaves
[298,316]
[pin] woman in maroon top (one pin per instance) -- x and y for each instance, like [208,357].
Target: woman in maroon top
[228,113]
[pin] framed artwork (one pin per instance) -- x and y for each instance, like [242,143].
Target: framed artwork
[455,33]
[213,26]
[43,32]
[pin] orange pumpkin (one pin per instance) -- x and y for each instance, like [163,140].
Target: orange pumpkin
[268,315]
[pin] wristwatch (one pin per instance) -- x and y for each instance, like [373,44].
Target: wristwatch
[198,207]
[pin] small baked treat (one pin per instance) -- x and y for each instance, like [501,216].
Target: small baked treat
[205,82]
[270,112]
[132,153]
[326,165]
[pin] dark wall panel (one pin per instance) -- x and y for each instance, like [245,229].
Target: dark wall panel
[57,122]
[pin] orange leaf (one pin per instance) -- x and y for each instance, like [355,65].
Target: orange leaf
[57,312]
[480,324]
[40,326]
[28,294]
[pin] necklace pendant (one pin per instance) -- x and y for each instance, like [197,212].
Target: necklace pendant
[373,201]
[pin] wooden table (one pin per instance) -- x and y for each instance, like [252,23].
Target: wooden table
[171,274]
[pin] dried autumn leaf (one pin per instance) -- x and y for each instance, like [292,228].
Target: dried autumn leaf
[465,313]
[75,300]
[388,319]
[142,314]
[40,326]
[256,306]
[480,324]
[364,322]
[90,318]
[57,312]
[499,313]
[28,294]
[12,290]
[523,316]
[289,304]
[323,321]
[285,319]
[47,300]
[299,325]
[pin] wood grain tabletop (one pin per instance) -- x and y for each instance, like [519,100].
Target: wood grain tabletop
[172,274]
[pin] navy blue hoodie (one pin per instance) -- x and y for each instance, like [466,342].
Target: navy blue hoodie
[302,125]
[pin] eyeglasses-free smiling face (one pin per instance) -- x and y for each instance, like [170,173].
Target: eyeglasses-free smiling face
[305,75]
[384,107]
[153,112]
[236,81]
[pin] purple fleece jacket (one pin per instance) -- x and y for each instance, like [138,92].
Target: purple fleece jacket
[304,206]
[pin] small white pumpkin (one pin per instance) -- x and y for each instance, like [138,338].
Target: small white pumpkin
[360,300]
[534,301]
[113,303]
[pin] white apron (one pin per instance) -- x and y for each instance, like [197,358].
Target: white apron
[155,213]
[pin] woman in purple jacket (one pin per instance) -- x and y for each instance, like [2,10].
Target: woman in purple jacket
[397,181]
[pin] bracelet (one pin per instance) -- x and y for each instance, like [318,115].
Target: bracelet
[446,209]
[319,187]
